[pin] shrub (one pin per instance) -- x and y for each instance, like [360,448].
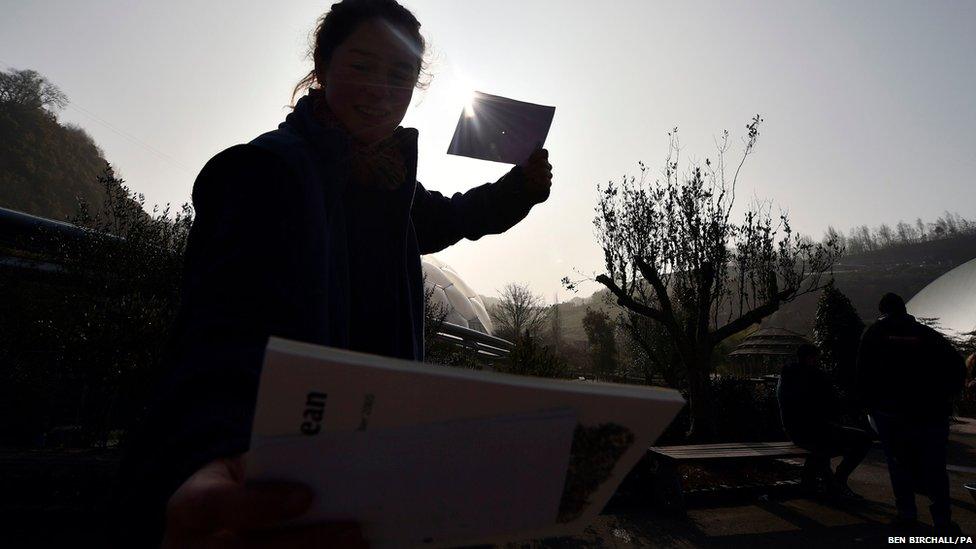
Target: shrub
[83,345]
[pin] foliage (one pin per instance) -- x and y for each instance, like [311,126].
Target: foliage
[648,348]
[601,332]
[966,343]
[673,255]
[745,411]
[517,312]
[30,90]
[435,313]
[437,349]
[47,167]
[529,357]
[837,333]
[87,342]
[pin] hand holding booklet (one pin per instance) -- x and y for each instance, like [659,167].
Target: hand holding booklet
[425,455]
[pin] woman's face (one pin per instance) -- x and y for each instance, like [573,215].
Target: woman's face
[370,79]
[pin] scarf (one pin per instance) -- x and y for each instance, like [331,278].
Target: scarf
[378,166]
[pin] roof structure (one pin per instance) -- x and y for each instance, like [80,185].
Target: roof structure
[770,342]
[950,300]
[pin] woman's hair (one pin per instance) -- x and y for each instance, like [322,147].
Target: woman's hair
[344,17]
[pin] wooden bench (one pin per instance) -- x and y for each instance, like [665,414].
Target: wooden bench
[664,461]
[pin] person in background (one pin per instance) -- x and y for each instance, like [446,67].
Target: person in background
[311,232]
[810,412]
[907,376]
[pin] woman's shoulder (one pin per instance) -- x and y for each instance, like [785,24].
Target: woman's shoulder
[245,158]
[245,170]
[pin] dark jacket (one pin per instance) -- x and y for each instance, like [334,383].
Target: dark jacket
[269,254]
[807,403]
[907,369]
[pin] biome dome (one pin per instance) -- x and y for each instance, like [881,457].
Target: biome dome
[950,299]
[464,307]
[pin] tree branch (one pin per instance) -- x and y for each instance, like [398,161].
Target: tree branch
[750,318]
[630,303]
[651,275]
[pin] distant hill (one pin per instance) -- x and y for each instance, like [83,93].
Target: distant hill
[904,269]
[865,277]
[45,166]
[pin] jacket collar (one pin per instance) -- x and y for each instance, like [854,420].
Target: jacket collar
[333,146]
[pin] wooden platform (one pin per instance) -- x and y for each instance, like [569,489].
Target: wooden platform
[732,450]
[668,491]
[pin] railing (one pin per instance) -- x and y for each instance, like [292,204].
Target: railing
[483,344]
[30,243]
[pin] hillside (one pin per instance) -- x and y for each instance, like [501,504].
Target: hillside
[864,278]
[45,167]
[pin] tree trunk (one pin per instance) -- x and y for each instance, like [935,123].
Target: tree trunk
[702,426]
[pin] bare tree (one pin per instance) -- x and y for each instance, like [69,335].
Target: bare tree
[673,255]
[922,232]
[906,233]
[885,236]
[519,312]
[27,88]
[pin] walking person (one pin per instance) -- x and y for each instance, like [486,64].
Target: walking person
[907,376]
[810,411]
[311,232]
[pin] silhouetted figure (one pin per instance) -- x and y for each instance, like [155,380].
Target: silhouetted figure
[810,411]
[311,232]
[907,375]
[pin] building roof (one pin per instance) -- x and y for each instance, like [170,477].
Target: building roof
[770,342]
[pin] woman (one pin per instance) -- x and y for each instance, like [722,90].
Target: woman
[311,232]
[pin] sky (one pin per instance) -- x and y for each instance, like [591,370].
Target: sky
[868,108]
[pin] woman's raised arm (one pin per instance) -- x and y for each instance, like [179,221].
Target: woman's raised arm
[492,208]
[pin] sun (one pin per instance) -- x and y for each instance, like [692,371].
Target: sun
[462,93]
[468,102]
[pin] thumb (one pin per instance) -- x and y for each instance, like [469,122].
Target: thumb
[256,506]
[213,503]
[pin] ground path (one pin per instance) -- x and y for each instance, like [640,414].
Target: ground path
[790,522]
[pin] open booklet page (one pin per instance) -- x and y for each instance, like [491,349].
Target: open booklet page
[429,455]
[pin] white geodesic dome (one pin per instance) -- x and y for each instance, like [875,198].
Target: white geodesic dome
[464,305]
[950,299]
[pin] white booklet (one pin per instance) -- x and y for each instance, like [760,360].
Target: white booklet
[425,455]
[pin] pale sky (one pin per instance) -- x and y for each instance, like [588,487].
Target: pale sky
[869,107]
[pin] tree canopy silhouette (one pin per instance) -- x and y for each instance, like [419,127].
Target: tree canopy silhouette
[46,168]
[674,255]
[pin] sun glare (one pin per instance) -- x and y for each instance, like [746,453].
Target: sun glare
[463,94]
[467,99]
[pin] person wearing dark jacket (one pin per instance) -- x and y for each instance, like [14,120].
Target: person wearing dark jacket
[311,232]
[907,375]
[810,412]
